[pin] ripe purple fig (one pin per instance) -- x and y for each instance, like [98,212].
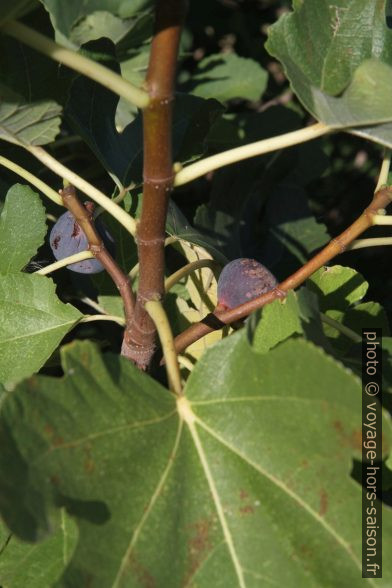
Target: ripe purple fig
[242,280]
[67,238]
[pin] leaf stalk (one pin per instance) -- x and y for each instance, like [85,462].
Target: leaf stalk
[77,62]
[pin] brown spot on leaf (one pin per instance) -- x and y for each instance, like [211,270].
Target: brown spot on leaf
[247,509]
[356,439]
[323,502]
[89,464]
[144,578]
[54,439]
[84,358]
[337,425]
[353,439]
[305,553]
[49,430]
[198,546]
[58,441]
[55,480]
[243,494]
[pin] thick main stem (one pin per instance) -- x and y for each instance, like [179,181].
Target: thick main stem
[140,334]
[211,322]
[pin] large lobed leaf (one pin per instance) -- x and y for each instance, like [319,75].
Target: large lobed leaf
[245,482]
[338,58]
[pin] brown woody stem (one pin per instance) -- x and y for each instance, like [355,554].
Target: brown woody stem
[140,334]
[337,245]
[83,217]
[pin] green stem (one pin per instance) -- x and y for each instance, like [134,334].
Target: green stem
[103,317]
[341,328]
[380,219]
[185,362]
[77,62]
[375,242]
[33,180]
[99,197]
[82,255]
[158,315]
[93,304]
[188,269]
[200,168]
[384,171]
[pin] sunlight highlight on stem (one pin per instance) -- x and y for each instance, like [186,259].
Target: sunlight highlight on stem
[200,168]
[375,242]
[76,257]
[380,219]
[384,171]
[188,269]
[99,197]
[103,317]
[77,62]
[185,362]
[157,313]
[32,179]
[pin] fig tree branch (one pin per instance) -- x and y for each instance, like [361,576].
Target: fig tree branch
[336,246]
[140,334]
[84,219]
[77,62]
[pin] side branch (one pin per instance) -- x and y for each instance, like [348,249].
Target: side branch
[217,320]
[84,219]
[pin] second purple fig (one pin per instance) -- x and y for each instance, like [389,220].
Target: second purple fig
[242,280]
